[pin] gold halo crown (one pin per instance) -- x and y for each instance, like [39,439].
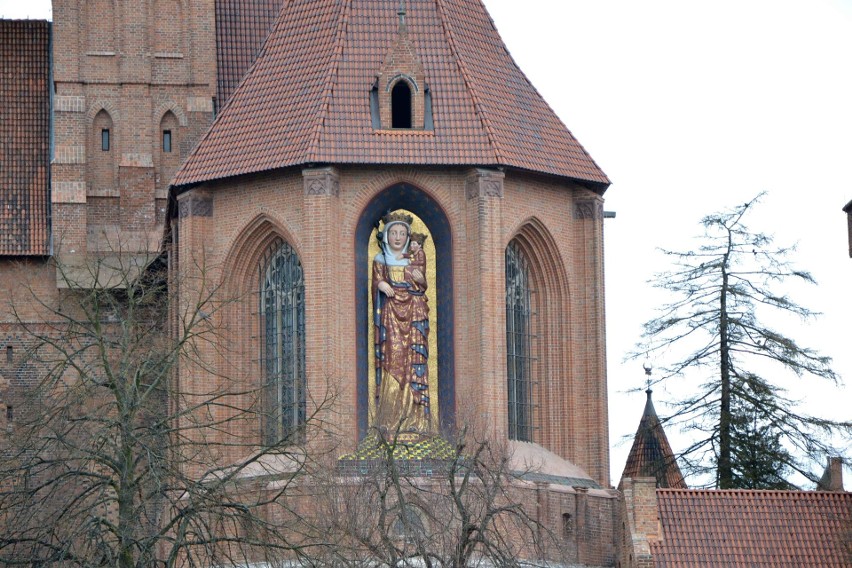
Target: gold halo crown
[419,238]
[397,217]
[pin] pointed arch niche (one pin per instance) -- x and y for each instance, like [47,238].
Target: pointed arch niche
[267,325]
[537,333]
[408,197]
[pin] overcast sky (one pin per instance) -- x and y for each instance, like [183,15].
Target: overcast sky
[691,107]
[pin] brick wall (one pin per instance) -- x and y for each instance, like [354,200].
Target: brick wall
[135,71]
[226,240]
[640,522]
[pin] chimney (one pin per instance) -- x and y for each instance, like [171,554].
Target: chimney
[832,479]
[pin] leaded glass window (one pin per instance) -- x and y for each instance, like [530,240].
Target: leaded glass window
[282,306]
[520,344]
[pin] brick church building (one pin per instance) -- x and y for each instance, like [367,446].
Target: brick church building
[237,137]
[257,147]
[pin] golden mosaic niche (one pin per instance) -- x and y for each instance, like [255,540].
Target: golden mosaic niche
[417,226]
[374,448]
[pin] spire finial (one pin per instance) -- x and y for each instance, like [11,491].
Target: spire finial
[401,13]
[648,368]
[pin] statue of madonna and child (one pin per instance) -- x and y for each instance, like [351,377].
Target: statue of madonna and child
[401,331]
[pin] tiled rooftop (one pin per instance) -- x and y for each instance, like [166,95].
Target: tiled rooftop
[651,455]
[241,28]
[24,137]
[307,98]
[748,528]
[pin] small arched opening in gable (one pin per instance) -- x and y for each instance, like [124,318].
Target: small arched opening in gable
[401,107]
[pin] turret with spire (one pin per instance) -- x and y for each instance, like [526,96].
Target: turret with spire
[651,454]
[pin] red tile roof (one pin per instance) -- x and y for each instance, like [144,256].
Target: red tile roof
[651,455]
[748,528]
[307,98]
[24,137]
[241,28]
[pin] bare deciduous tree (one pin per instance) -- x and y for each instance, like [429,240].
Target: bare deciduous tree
[436,505]
[109,462]
[748,431]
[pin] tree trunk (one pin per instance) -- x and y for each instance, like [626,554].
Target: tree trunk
[724,470]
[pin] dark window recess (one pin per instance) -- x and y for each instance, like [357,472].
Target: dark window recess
[282,308]
[167,140]
[566,526]
[401,105]
[9,353]
[105,139]
[375,115]
[520,344]
[10,415]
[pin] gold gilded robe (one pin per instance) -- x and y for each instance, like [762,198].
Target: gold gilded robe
[401,339]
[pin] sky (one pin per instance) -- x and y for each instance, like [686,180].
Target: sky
[690,108]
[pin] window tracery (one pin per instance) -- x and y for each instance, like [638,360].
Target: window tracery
[282,306]
[521,343]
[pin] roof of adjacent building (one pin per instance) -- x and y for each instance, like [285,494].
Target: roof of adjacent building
[24,137]
[651,454]
[306,99]
[241,28]
[747,528]
[848,207]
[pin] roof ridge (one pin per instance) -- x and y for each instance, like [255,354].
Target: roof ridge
[328,89]
[459,60]
[540,96]
[712,491]
[207,133]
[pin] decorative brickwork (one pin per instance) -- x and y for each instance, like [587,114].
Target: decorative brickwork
[484,183]
[322,181]
[588,209]
[68,192]
[69,155]
[69,104]
[195,206]
[199,104]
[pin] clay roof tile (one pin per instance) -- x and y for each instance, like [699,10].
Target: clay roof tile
[306,98]
[746,528]
[24,137]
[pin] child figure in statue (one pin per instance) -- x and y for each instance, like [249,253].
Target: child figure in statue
[420,318]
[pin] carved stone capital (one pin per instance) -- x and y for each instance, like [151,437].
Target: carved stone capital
[588,209]
[193,204]
[484,183]
[321,181]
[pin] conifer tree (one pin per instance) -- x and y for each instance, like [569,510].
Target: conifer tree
[715,330]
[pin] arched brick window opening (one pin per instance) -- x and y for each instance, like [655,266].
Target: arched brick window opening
[168,148]
[521,343]
[102,151]
[401,105]
[538,358]
[282,328]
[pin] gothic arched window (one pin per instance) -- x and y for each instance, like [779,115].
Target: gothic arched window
[282,307]
[520,343]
